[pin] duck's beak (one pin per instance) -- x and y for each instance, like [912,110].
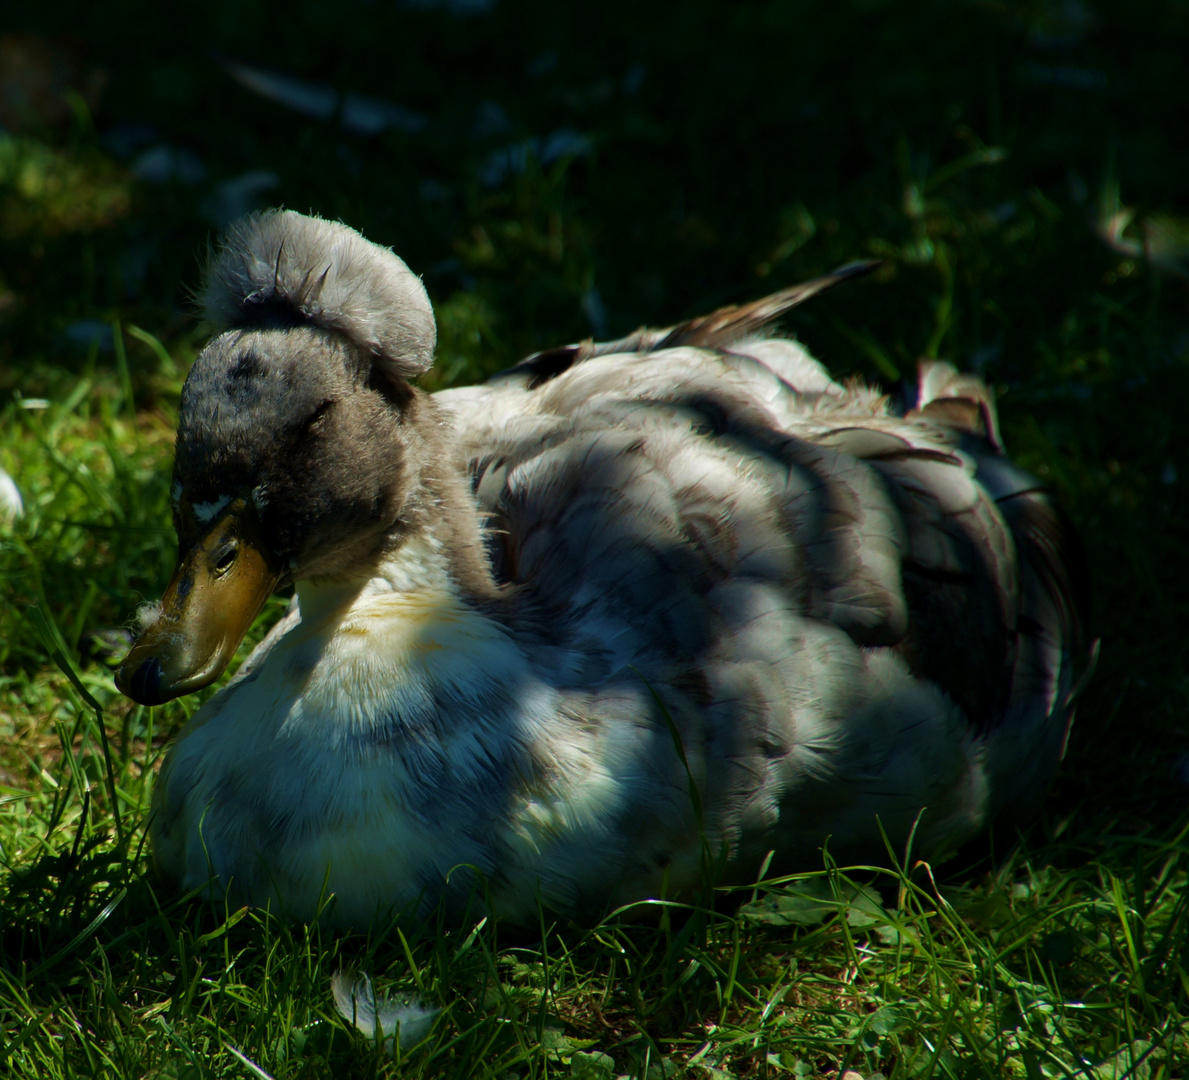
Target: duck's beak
[223,577]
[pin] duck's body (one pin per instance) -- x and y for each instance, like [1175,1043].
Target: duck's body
[623,613]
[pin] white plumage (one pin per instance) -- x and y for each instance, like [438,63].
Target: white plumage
[624,611]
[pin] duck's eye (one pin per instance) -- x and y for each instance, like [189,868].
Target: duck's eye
[315,417]
[226,559]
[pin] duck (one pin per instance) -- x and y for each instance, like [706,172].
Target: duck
[625,618]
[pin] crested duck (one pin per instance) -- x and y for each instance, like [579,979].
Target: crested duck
[622,614]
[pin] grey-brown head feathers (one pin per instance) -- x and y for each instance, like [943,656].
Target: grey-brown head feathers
[281,264]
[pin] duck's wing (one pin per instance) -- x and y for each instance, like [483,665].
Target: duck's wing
[820,589]
[503,412]
[718,330]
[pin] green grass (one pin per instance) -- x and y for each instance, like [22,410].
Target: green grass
[983,150]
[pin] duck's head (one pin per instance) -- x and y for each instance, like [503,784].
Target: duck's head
[295,444]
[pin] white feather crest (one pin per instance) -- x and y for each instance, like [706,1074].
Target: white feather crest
[323,274]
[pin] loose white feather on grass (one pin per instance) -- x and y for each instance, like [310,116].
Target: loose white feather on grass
[395,1019]
[11,505]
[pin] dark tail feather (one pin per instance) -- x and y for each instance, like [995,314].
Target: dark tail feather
[717,330]
[728,324]
[1047,541]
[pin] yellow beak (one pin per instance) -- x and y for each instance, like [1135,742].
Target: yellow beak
[223,577]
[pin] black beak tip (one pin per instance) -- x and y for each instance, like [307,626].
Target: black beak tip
[144,684]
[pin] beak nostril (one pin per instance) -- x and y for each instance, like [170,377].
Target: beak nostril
[226,559]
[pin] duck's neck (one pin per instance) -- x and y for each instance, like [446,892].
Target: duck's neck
[435,539]
[441,529]
[420,618]
[419,567]
[397,651]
